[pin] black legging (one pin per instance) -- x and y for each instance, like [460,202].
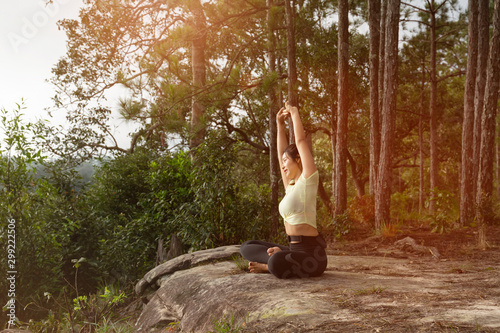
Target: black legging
[304,259]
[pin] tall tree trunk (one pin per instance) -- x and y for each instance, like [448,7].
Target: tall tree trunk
[198,46]
[273,109]
[421,198]
[374,25]
[433,110]
[356,173]
[343,109]
[383,194]
[466,175]
[381,67]
[334,152]
[485,184]
[292,63]
[482,64]
[498,165]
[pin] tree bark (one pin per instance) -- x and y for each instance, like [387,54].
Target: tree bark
[433,105]
[482,64]
[421,194]
[498,165]
[273,109]
[381,67]
[356,173]
[334,152]
[374,26]
[485,183]
[466,175]
[383,194]
[325,198]
[343,109]
[292,62]
[198,46]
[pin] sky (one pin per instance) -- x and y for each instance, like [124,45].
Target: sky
[31,45]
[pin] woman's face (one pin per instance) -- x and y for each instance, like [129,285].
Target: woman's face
[291,167]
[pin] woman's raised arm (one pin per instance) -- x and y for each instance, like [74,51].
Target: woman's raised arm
[308,166]
[282,141]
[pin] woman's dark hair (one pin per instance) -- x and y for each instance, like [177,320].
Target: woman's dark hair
[292,151]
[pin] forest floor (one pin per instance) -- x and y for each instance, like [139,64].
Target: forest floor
[458,291]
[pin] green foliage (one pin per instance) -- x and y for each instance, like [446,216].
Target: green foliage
[44,223]
[115,232]
[135,200]
[18,153]
[225,209]
[92,309]
[88,313]
[340,225]
[228,325]
[119,183]
[404,205]
[447,211]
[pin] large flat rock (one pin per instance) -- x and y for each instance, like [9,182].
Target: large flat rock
[184,261]
[355,294]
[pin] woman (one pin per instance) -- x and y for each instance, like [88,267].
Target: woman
[305,256]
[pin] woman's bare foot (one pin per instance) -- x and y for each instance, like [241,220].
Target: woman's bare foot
[257,267]
[273,250]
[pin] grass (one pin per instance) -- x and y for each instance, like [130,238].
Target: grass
[389,230]
[369,291]
[464,268]
[120,326]
[229,325]
[240,262]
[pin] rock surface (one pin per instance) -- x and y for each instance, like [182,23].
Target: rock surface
[355,294]
[184,262]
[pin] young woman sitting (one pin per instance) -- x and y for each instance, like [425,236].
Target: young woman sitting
[305,256]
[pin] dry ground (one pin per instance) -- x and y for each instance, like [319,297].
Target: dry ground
[408,291]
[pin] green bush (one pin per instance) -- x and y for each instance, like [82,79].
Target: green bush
[404,205]
[111,235]
[129,241]
[44,219]
[339,226]
[225,209]
[446,213]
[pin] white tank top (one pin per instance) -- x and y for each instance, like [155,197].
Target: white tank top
[299,204]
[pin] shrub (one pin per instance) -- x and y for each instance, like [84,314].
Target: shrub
[131,201]
[404,205]
[225,209]
[446,211]
[339,226]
